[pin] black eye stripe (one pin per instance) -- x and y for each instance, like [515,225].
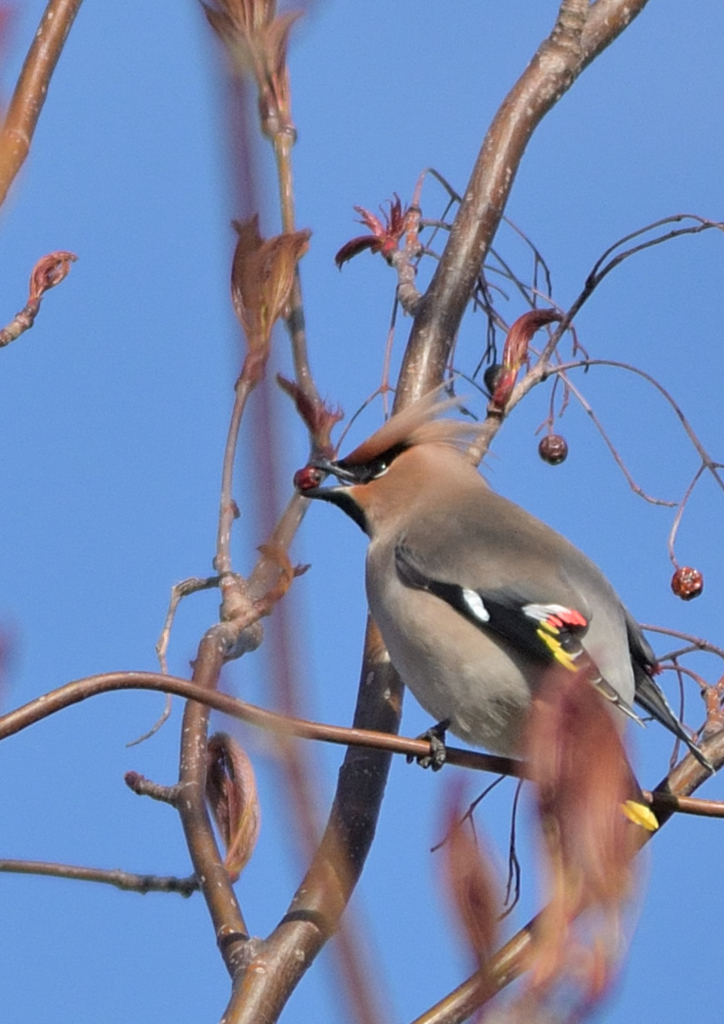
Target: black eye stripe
[376,467]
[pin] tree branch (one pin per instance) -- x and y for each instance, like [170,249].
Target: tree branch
[214,881]
[359,736]
[579,35]
[32,87]
[315,911]
[125,880]
[328,885]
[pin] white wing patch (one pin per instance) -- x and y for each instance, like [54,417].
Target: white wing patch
[475,604]
[541,612]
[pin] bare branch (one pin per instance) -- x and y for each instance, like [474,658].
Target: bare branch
[142,786]
[315,911]
[695,642]
[611,447]
[214,882]
[604,265]
[32,88]
[358,736]
[580,33]
[684,805]
[540,372]
[125,880]
[680,512]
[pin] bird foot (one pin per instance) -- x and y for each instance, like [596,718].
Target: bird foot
[438,754]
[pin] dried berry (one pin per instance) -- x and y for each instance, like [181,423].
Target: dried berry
[687,583]
[307,478]
[553,449]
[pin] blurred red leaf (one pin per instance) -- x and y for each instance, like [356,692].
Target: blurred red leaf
[583,782]
[470,880]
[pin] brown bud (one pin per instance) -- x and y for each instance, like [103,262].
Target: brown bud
[553,449]
[307,478]
[262,276]
[687,583]
[49,271]
[515,351]
[231,794]
[490,377]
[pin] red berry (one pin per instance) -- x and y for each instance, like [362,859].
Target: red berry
[687,583]
[307,478]
[553,449]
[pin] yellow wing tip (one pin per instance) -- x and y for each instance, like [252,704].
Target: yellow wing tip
[561,656]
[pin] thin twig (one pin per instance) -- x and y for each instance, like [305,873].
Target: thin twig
[295,322]
[468,815]
[162,718]
[697,643]
[710,464]
[514,871]
[126,880]
[178,592]
[32,88]
[142,786]
[683,670]
[228,510]
[684,804]
[602,268]
[611,447]
[680,512]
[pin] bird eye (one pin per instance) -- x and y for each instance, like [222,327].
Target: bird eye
[376,468]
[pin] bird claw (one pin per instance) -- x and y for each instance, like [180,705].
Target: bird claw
[438,753]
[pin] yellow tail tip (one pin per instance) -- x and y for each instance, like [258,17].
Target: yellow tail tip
[640,814]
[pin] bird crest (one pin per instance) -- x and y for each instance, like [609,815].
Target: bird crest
[418,424]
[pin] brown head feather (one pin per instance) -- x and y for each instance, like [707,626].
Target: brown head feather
[417,424]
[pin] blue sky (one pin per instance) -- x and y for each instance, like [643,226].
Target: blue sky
[114,408]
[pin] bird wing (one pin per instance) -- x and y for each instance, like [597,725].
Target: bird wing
[549,633]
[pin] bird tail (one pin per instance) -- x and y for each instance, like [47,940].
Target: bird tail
[651,698]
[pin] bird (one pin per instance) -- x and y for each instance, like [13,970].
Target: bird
[475,598]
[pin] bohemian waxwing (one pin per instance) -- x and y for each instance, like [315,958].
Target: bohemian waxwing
[474,597]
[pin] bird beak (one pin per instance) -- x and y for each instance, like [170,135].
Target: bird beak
[308,480]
